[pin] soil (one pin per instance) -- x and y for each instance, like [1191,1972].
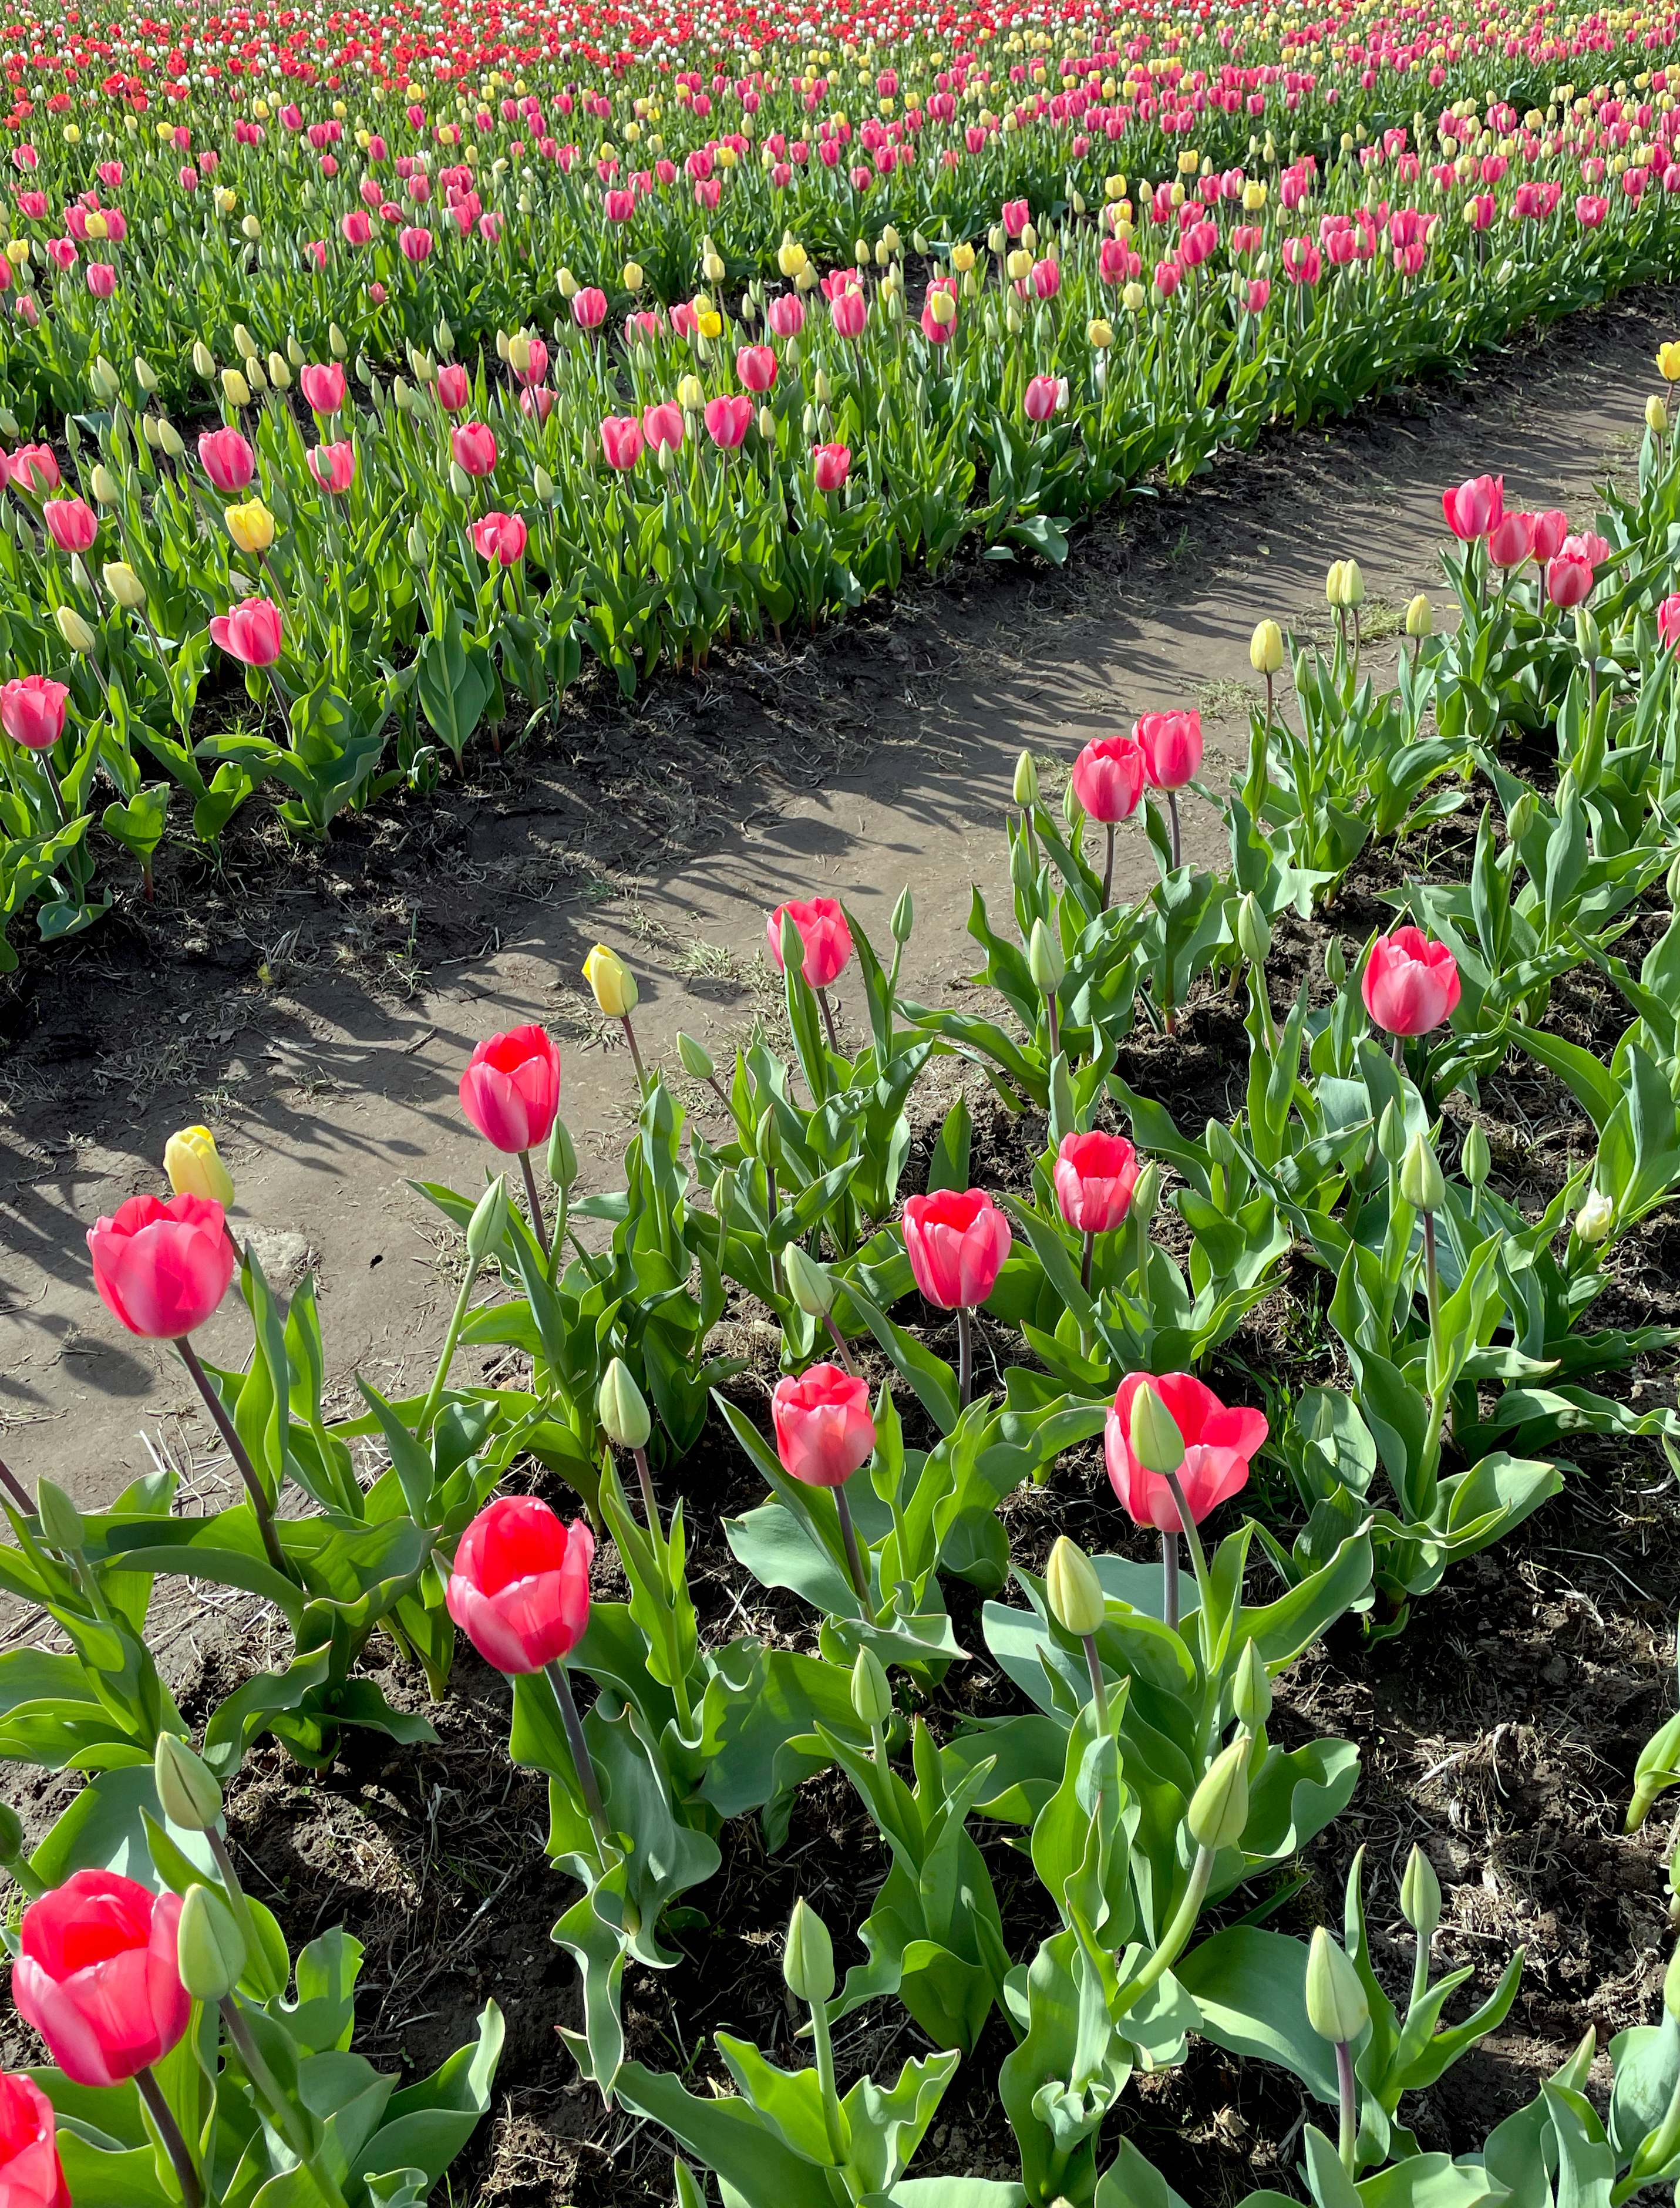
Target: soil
[315,1008]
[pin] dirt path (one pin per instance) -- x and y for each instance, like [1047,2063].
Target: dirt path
[315,1009]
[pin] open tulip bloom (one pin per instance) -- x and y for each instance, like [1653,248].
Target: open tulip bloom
[1213,1445]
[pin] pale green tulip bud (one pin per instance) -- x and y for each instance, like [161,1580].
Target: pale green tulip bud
[1476,1159]
[1336,2005]
[1352,584]
[1254,934]
[696,1061]
[1156,1442]
[1420,616]
[807,1961]
[418,551]
[1520,819]
[169,441]
[1391,1133]
[338,343]
[1026,780]
[204,361]
[209,1946]
[145,376]
[1219,1807]
[1421,1182]
[1045,961]
[543,485]
[186,1791]
[74,631]
[1251,1689]
[1595,1219]
[1146,1192]
[489,1222]
[621,1407]
[1335,963]
[102,485]
[1420,1895]
[872,1692]
[808,1283]
[1588,640]
[1073,1589]
[102,376]
[461,483]
[278,374]
[62,1525]
[562,1157]
[766,1142]
[295,352]
[904,917]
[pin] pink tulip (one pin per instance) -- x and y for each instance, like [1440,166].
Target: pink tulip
[333,466]
[33,468]
[1474,508]
[1046,279]
[500,537]
[31,2176]
[1219,1443]
[1017,214]
[454,387]
[1508,543]
[823,1427]
[727,420]
[355,228]
[756,367]
[1411,985]
[415,243]
[821,922]
[537,361]
[621,440]
[96,1975]
[510,1087]
[71,524]
[848,311]
[474,447]
[1044,395]
[323,388]
[1588,546]
[1568,581]
[661,425]
[249,631]
[226,458]
[1109,776]
[536,401]
[1546,533]
[519,1587]
[786,314]
[831,464]
[1258,295]
[32,710]
[162,1267]
[589,308]
[101,278]
[1172,746]
[1094,1177]
[957,1243]
[1668,621]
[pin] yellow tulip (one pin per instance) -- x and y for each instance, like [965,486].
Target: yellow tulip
[74,630]
[124,585]
[613,983]
[691,394]
[1668,361]
[195,1165]
[1656,417]
[1100,333]
[250,526]
[235,389]
[1265,648]
[711,325]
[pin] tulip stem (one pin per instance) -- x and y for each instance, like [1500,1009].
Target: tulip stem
[1198,1563]
[1442,1408]
[650,1502]
[447,1357]
[588,1785]
[1398,1051]
[296,2137]
[14,1487]
[1169,1580]
[1085,1260]
[241,1455]
[635,1055]
[1108,870]
[1178,839]
[834,2118]
[1174,1939]
[1099,1684]
[1050,1007]
[256,1961]
[539,1225]
[1347,2101]
[965,1355]
[175,2146]
[854,1555]
[828,1016]
[840,1344]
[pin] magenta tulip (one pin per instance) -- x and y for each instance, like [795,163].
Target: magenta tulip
[1172,748]
[956,1241]
[227,459]
[323,388]
[31,2176]
[473,445]
[510,1089]
[32,710]
[333,466]
[1109,776]
[727,420]
[500,537]
[249,631]
[621,440]
[71,524]
[821,922]
[1094,1177]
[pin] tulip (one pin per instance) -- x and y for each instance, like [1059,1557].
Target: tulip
[124,585]
[415,243]
[1546,533]
[1044,394]
[453,387]
[957,1242]
[510,1092]
[333,466]
[1194,1455]
[1265,648]
[1172,748]
[728,420]
[226,458]
[96,1976]
[756,367]
[33,468]
[32,710]
[30,2174]
[249,631]
[323,389]
[848,311]
[823,1432]
[627,1424]
[1509,542]
[823,930]
[251,527]
[661,426]
[1474,508]
[1094,1177]
[500,537]
[162,1268]
[473,447]
[1568,581]
[831,464]
[74,631]
[71,524]
[621,440]
[589,308]
[1108,778]
[195,1167]
[1411,985]
[616,994]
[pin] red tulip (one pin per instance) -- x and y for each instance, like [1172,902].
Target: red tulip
[1094,1175]
[226,458]
[510,1090]
[621,440]
[519,1587]
[249,631]
[474,448]
[162,1267]
[756,367]
[727,420]
[71,524]
[30,2175]
[822,929]
[957,1242]
[323,388]
[333,466]
[1473,508]
[453,387]
[1172,746]
[823,1429]
[501,537]
[96,1976]
[831,464]
[33,468]
[32,710]
[1411,985]
[663,425]
[1218,1445]
[1108,777]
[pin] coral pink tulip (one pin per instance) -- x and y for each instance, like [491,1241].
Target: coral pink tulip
[824,1428]
[415,243]
[323,388]
[500,537]
[1094,1177]
[661,425]
[831,464]
[1546,533]
[756,367]
[786,314]
[474,447]
[1017,214]
[1668,621]
[101,278]
[1108,777]
[519,1587]
[1219,1444]
[1588,546]
[249,631]
[1172,746]
[71,524]
[823,931]
[1411,985]
[32,710]
[957,1242]
[162,1267]
[1509,541]
[227,459]
[33,468]
[621,440]
[727,420]
[1044,394]
[510,1087]
[31,2176]
[96,1976]
[1568,581]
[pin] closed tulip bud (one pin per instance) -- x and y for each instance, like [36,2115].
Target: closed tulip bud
[1251,1690]
[195,1167]
[295,352]
[1045,958]
[243,343]
[102,377]
[278,374]
[489,1222]
[337,343]
[204,361]
[1026,780]
[1588,640]
[1333,583]
[691,394]
[1391,1133]
[1475,1160]
[1218,1809]
[1265,648]
[808,1283]
[1521,818]
[124,585]
[170,440]
[186,1791]
[996,237]
[872,1690]
[562,1158]
[1073,1589]
[517,355]
[1352,584]
[1335,963]
[1420,616]
[418,551]
[1420,1177]
[612,982]
[74,630]
[1134,298]
[144,376]
[1254,934]
[904,917]
[1145,1194]
[1595,1219]
[1336,2005]
[1420,1895]
[766,1139]
[1156,1442]
[235,389]
[61,1526]
[712,267]
[461,483]
[251,228]
[621,1407]
[209,1946]
[1656,417]
[807,1961]
[102,485]
[542,483]
[767,424]
[696,1060]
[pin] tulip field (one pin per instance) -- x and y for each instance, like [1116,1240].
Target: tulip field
[369,382]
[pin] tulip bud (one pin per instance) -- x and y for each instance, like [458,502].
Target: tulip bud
[691,393]
[621,1407]
[338,344]
[209,1946]
[418,551]
[1146,1194]
[807,1961]
[145,376]
[766,1141]
[1336,2005]
[1475,1160]
[1026,780]
[187,1791]
[243,343]
[1595,1219]
[808,1283]
[250,526]
[872,1691]
[612,982]
[696,1060]
[1391,1133]
[124,585]
[1420,1895]
[461,483]
[633,276]
[904,917]
[204,361]
[1671,1982]
[235,389]
[489,1222]
[74,630]
[823,387]
[1254,934]
[1265,648]
[1218,1809]
[251,228]
[1420,616]
[562,1158]
[61,1524]
[103,378]
[1073,1589]
[1045,958]
[1656,417]
[1521,818]
[278,374]
[1588,640]
[1156,1442]
[1251,1689]
[1421,1183]
[170,438]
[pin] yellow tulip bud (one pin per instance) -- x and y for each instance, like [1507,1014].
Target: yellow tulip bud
[235,389]
[1265,648]
[711,324]
[104,485]
[1134,298]
[1668,361]
[250,526]
[691,394]
[74,630]
[1100,333]
[568,284]
[1656,417]
[519,352]
[633,276]
[204,361]
[124,585]
[251,228]
[962,257]
[1019,264]
[193,1164]
[612,982]
[1420,616]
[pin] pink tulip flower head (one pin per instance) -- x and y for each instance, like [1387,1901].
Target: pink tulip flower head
[510,1089]
[821,922]
[1108,777]
[32,710]
[957,1242]
[249,631]
[823,1427]
[1411,984]
[519,1587]
[1219,1445]
[96,1975]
